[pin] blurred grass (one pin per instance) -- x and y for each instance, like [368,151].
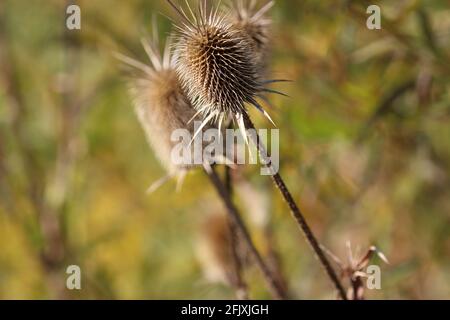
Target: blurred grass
[74,164]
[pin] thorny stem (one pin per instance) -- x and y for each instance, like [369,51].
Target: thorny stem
[296,213]
[233,212]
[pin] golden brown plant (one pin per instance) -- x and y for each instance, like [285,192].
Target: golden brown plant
[219,70]
[162,108]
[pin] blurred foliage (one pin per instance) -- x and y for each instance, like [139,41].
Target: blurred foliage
[365,147]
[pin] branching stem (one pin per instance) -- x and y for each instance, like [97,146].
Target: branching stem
[272,284]
[296,213]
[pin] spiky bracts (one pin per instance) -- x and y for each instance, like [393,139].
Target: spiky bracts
[217,64]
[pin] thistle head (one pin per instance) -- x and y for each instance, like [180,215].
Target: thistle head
[216,63]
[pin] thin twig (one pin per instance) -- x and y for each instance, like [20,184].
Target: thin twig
[233,212]
[296,213]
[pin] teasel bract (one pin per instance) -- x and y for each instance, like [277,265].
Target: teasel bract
[217,65]
[162,107]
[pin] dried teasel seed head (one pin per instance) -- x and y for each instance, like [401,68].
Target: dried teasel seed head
[248,17]
[161,105]
[217,64]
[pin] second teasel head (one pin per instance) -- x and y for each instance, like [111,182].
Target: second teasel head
[161,104]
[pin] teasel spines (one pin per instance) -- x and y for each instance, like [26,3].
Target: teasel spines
[217,65]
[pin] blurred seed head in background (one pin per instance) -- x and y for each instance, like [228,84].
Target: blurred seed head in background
[160,104]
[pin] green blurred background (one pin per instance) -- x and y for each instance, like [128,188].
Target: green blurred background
[365,148]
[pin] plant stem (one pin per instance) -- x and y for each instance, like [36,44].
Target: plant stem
[296,213]
[233,212]
[238,282]
[273,258]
